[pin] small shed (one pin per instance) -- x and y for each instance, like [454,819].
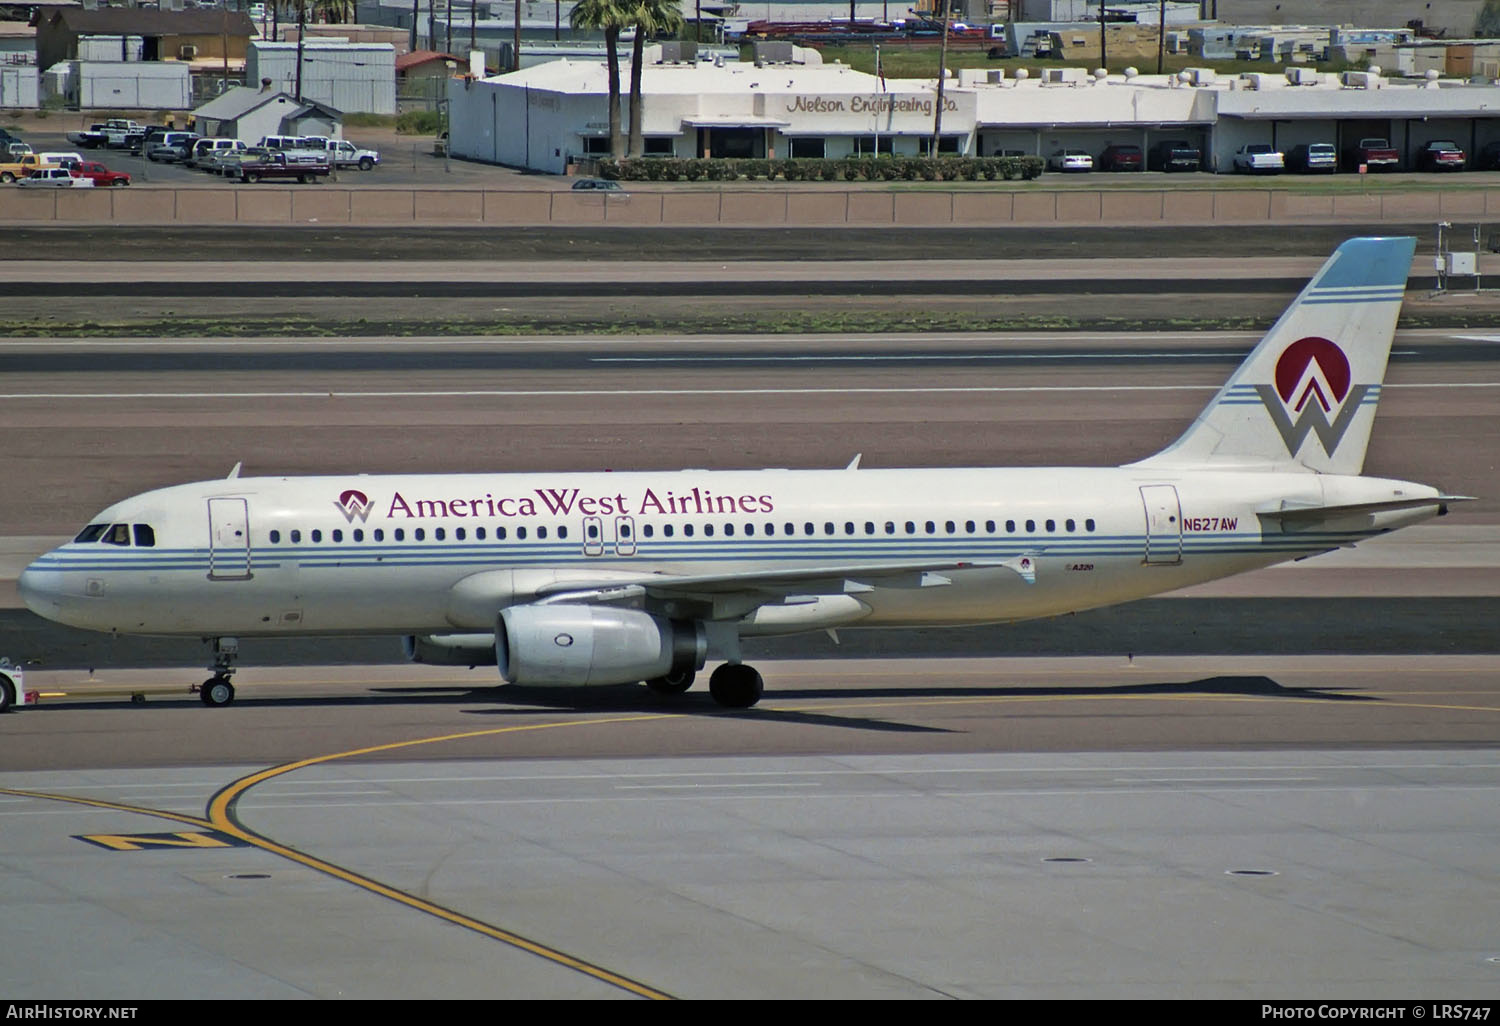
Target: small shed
[252,114]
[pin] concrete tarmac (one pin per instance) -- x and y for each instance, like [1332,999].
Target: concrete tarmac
[1306,825]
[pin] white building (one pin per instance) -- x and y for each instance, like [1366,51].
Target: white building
[345,76]
[136,85]
[18,85]
[252,114]
[542,117]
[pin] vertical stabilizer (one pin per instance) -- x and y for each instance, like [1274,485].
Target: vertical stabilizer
[1306,395]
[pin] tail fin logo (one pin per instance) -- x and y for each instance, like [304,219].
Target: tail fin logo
[353,503]
[1312,393]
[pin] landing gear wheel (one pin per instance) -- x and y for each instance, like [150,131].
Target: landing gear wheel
[672,683]
[216,691]
[736,686]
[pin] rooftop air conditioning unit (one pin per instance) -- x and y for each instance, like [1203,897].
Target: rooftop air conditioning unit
[187,52]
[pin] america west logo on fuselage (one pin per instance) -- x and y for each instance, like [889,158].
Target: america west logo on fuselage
[354,503]
[1312,392]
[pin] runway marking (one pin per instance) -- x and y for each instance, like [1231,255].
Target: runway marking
[223,818]
[222,812]
[919,357]
[520,393]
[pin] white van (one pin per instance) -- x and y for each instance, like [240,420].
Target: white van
[203,149]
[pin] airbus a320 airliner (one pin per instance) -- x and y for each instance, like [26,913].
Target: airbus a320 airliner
[613,578]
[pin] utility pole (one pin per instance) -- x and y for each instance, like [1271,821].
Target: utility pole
[937,114]
[1161,39]
[1103,55]
[517,59]
[301,34]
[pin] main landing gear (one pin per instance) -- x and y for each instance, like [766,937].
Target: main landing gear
[736,686]
[733,685]
[217,691]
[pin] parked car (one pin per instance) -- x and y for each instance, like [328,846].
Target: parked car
[100,175]
[171,147]
[1373,153]
[1070,160]
[1313,157]
[1259,159]
[1122,157]
[1441,155]
[204,147]
[600,184]
[1175,155]
[15,149]
[54,178]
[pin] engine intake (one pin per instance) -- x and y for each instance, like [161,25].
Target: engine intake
[574,645]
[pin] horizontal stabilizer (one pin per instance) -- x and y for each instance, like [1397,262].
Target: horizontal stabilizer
[1295,513]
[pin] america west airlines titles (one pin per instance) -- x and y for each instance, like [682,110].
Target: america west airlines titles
[569,501]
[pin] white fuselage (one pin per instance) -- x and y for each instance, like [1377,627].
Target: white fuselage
[441,553]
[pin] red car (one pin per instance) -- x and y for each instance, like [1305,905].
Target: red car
[1440,155]
[1122,158]
[101,175]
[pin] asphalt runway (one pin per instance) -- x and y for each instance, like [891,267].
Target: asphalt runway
[1262,805]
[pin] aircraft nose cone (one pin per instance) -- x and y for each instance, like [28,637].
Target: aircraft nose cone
[39,589]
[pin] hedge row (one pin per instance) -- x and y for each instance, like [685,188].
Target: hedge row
[855,169]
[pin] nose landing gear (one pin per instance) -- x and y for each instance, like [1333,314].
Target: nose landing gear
[217,691]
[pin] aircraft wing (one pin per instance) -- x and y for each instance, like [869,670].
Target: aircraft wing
[771,585]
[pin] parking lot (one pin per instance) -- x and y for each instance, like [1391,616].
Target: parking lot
[404,161]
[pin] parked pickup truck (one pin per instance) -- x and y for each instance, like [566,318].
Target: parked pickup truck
[343,153]
[100,175]
[28,164]
[116,132]
[276,165]
[55,178]
[1376,154]
[1259,158]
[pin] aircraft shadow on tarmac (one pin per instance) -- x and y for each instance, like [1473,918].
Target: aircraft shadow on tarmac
[516,700]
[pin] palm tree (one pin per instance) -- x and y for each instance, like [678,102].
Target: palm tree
[333,12]
[610,16]
[650,17]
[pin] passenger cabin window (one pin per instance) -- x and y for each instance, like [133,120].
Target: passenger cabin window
[275,537]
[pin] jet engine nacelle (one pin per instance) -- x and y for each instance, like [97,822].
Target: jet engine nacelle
[584,644]
[450,649]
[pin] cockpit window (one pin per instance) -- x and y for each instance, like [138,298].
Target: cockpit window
[145,536]
[91,533]
[117,534]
